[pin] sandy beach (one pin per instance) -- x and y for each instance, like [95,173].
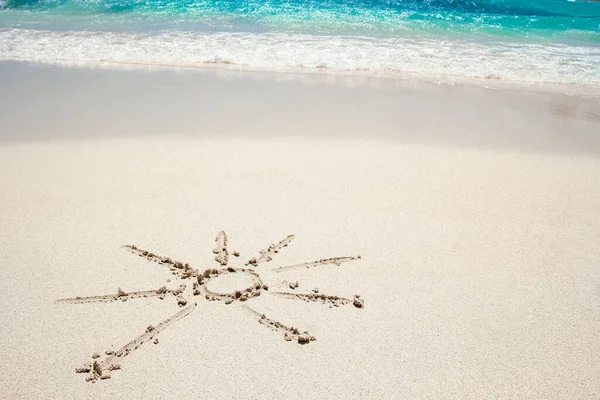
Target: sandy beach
[475,213]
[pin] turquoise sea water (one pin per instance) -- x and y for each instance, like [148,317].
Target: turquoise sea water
[556,41]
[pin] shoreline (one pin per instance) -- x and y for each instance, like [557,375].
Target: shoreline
[369,78]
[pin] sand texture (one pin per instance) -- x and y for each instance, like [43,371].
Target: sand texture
[249,267]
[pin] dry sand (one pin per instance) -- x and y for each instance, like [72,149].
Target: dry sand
[478,268]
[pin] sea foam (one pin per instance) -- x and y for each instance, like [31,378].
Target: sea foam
[516,62]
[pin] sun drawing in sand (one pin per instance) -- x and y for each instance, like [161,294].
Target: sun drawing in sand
[185,296]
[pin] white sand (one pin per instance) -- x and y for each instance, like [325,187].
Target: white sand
[479,266]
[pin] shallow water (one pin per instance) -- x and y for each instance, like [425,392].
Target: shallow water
[540,41]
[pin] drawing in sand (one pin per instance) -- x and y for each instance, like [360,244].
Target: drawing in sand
[185,296]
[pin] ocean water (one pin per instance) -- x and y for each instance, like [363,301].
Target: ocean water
[528,41]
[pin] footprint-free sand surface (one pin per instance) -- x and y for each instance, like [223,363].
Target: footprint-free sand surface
[479,257]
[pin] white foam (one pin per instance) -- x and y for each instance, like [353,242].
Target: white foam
[529,63]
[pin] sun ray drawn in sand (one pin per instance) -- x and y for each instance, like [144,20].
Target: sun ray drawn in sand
[100,367]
